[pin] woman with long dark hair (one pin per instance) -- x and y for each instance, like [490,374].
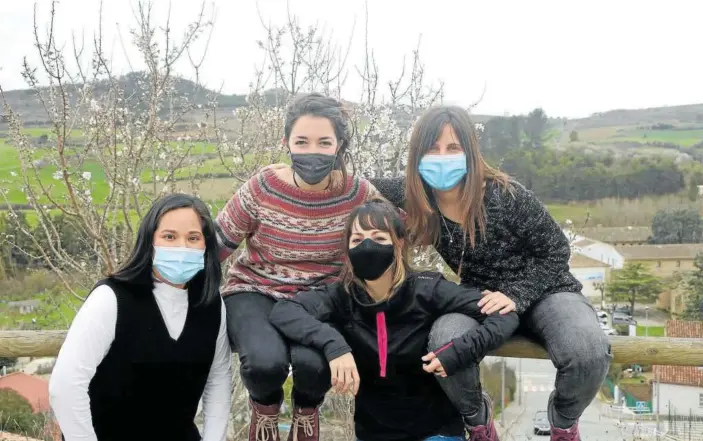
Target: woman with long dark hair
[150,339]
[374,327]
[496,235]
[292,219]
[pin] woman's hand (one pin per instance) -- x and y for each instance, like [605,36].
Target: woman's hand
[345,377]
[433,366]
[493,301]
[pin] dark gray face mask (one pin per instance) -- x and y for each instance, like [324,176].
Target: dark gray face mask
[313,167]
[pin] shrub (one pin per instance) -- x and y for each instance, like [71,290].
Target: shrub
[491,381]
[7,362]
[16,415]
[45,368]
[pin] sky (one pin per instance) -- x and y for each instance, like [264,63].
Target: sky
[570,57]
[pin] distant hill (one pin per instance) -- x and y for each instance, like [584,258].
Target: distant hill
[25,102]
[674,115]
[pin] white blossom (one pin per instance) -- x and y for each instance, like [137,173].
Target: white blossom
[87,175]
[58,175]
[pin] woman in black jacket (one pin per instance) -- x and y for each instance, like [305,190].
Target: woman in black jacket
[500,238]
[374,328]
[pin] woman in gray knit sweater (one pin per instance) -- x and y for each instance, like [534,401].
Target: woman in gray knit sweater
[499,237]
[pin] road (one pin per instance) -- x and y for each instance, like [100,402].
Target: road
[537,383]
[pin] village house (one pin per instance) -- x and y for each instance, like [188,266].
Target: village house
[680,388]
[596,250]
[618,236]
[24,306]
[592,274]
[663,260]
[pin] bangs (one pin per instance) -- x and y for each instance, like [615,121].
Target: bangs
[377,215]
[433,122]
[432,130]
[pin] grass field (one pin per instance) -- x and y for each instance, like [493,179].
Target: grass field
[610,135]
[603,212]
[651,331]
[11,174]
[684,138]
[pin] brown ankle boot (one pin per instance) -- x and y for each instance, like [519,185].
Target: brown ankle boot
[487,432]
[305,425]
[263,425]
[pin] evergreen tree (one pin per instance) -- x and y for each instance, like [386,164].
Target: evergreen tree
[634,283]
[694,292]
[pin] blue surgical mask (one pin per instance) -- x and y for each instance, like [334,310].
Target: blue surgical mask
[443,172]
[178,265]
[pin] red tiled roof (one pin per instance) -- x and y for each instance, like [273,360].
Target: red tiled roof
[681,375]
[34,389]
[7,436]
[684,329]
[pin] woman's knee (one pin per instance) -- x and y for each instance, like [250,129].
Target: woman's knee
[265,367]
[448,327]
[588,352]
[309,363]
[311,370]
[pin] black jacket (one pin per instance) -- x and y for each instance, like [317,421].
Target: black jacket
[404,402]
[523,252]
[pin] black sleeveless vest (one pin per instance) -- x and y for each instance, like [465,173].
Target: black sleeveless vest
[148,385]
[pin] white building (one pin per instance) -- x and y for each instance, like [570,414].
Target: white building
[680,388]
[680,391]
[600,251]
[592,274]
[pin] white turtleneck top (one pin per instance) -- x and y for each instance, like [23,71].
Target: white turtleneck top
[88,340]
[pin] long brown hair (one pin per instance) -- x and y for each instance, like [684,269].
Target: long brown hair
[376,214]
[322,106]
[424,225]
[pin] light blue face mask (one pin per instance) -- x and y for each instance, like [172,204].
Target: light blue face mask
[178,265]
[443,172]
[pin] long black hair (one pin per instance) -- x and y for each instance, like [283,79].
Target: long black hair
[139,267]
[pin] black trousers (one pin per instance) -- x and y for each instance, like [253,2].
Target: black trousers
[265,355]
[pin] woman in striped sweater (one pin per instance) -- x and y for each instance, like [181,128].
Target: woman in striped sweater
[292,219]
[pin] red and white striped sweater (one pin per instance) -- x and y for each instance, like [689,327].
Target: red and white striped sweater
[293,236]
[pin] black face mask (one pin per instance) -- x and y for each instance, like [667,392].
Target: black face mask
[313,167]
[370,259]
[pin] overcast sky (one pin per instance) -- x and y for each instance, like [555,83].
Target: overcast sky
[571,57]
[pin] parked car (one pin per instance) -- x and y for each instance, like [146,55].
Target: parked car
[602,316]
[622,319]
[624,309]
[540,422]
[608,330]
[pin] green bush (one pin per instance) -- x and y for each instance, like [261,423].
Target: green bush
[26,284]
[622,329]
[287,395]
[7,362]
[491,381]
[16,415]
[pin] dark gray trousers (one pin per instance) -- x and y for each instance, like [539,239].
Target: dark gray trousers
[566,325]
